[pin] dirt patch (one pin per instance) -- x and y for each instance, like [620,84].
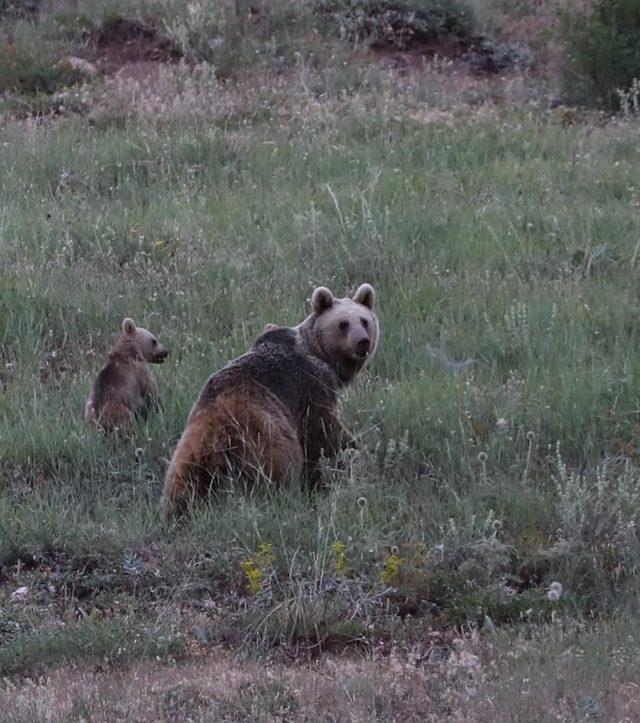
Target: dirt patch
[122,42]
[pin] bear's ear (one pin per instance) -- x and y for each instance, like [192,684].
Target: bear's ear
[321,300]
[128,327]
[366,296]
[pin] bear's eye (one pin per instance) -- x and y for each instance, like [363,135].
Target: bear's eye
[343,326]
[154,342]
[365,323]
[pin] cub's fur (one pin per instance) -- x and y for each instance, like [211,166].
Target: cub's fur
[274,410]
[125,387]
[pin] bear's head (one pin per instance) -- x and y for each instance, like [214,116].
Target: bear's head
[344,332]
[142,343]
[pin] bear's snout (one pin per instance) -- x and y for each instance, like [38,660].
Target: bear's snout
[363,345]
[160,354]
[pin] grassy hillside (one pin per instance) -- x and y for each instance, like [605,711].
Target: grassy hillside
[493,230]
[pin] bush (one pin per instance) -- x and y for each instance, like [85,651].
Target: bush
[603,51]
[397,22]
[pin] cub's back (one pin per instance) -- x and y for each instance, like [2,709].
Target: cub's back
[117,381]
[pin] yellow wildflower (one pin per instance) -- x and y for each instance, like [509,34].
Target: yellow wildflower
[390,568]
[253,574]
[339,557]
[265,554]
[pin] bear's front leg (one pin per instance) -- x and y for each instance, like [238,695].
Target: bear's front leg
[325,437]
[337,436]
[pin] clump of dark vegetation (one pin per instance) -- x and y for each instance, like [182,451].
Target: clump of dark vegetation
[398,23]
[484,55]
[603,52]
[19,8]
[23,72]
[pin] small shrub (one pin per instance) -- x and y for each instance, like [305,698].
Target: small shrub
[599,508]
[630,100]
[24,73]
[603,52]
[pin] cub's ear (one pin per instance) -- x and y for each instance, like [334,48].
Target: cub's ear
[366,296]
[321,300]
[128,327]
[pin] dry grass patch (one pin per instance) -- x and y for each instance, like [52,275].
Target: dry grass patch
[550,674]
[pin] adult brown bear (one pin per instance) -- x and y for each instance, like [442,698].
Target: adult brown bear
[274,410]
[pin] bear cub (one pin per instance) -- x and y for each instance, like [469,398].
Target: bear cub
[273,412]
[125,387]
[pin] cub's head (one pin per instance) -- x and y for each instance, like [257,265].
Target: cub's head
[143,342]
[344,331]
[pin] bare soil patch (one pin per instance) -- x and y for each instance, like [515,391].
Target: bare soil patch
[125,42]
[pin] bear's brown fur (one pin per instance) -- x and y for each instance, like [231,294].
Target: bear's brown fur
[274,410]
[125,387]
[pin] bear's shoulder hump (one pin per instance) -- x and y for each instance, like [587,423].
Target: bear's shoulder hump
[284,337]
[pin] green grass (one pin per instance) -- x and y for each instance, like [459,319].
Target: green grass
[115,642]
[469,236]
[508,239]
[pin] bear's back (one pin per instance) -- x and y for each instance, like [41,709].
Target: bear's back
[122,380]
[110,380]
[277,363]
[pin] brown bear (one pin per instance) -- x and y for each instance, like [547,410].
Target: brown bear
[125,387]
[274,410]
